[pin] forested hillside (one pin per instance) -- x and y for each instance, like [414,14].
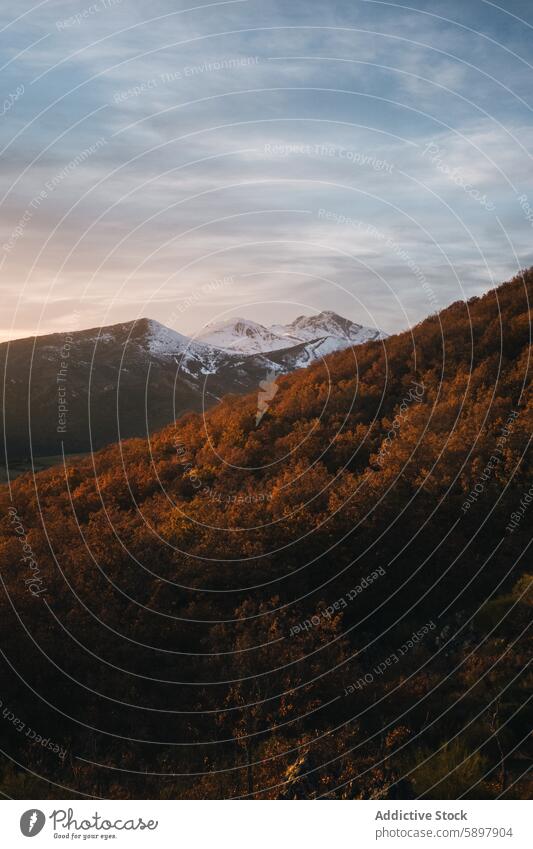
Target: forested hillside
[333,602]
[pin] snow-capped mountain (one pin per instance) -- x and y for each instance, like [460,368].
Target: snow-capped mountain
[328,323]
[249,337]
[111,383]
[131,379]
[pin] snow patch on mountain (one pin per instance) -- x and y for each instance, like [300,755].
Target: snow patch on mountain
[241,334]
[162,340]
[192,357]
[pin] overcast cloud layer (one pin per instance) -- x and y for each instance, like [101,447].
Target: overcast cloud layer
[188,163]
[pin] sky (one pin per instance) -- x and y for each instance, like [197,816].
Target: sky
[189,162]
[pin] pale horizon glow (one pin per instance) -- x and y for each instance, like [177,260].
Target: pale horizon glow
[365,158]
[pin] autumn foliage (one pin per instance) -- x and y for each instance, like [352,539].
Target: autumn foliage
[201,628]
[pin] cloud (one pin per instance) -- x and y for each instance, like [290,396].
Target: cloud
[227,128]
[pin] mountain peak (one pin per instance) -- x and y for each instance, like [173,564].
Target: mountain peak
[241,334]
[330,314]
[330,324]
[161,339]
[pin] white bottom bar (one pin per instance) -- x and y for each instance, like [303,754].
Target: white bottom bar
[264,825]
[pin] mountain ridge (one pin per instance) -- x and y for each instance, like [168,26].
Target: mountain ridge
[252,337]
